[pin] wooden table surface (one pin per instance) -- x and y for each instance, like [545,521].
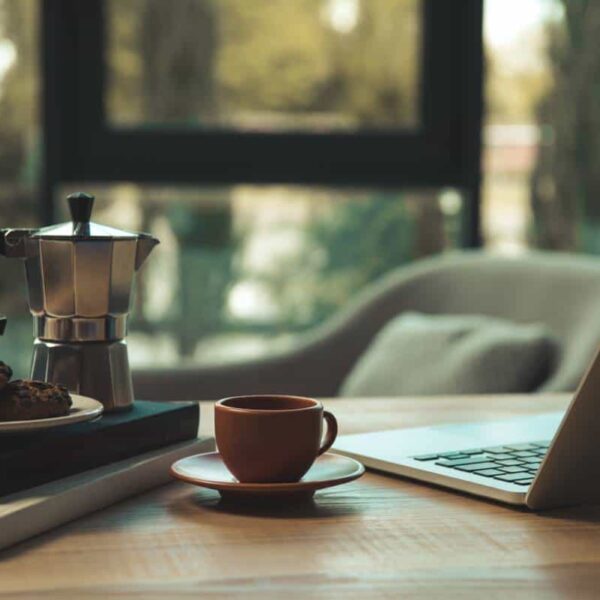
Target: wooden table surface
[376,537]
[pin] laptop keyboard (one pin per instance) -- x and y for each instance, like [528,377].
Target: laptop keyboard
[515,463]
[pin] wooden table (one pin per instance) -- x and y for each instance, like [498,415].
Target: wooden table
[376,537]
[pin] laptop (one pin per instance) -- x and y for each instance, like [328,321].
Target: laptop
[544,461]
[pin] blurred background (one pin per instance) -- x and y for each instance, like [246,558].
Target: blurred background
[245,269]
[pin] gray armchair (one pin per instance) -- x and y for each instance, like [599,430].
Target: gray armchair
[559,290]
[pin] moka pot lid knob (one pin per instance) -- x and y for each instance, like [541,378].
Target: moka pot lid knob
[81,227]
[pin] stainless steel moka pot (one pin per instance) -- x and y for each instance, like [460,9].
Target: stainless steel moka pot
[79,279]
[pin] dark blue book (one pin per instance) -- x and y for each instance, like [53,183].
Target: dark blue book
[31,459]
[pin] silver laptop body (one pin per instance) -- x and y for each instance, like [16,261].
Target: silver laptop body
[543,461]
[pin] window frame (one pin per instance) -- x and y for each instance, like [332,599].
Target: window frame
[444,150]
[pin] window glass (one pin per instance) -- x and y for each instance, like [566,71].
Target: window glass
[264,65]
[245,270]
[20,150]
[542,129]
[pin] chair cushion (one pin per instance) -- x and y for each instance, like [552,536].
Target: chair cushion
[417,354]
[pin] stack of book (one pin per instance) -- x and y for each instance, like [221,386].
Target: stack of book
[53,476]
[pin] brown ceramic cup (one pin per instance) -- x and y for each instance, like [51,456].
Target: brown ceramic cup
[271,439]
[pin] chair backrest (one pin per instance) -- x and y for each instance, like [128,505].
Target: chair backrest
[559,290]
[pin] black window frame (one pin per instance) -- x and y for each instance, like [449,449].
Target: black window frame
[79,144]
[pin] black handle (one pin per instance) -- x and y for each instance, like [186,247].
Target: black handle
[80,205]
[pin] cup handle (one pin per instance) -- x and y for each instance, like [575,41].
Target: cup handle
[332,430]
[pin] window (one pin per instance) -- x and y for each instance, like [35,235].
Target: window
[286,152]
[541,183]
[20,154]
[92,139]
[226,64]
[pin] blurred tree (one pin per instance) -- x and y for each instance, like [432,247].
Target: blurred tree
[19,163]
[517,78]
[350,241]
[203,230]
[360,240]
[162,58]
[19,87]
[282,62]
[179,47]
[361,72]
[374,234]
[272,55]
[178,43]
[566,179]
[377,64]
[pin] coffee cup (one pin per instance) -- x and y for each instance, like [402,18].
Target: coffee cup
[271,438]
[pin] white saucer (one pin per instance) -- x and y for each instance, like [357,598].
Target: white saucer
[209,471]
[82,409]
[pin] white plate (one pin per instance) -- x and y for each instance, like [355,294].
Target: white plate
[82,409]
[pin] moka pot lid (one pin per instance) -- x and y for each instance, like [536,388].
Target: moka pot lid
[80,227]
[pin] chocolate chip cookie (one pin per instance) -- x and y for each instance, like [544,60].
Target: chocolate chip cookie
[24,400]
